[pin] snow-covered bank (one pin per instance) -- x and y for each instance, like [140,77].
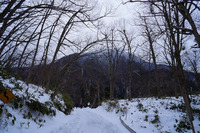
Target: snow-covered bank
[31,109]
[148,115]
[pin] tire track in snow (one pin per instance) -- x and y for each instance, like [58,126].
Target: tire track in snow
[126,126]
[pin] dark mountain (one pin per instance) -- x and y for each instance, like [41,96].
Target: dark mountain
[85,76]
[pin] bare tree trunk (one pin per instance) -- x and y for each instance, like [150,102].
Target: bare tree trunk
[127,41]
[98,90]
[149,81]
[184,92]
[112,86]
[178,45]
[151,39]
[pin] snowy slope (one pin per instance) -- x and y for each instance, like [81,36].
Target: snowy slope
[159,115]
[30,110]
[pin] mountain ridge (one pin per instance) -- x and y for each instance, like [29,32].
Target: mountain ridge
[91,71]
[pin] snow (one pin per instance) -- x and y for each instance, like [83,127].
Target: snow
[138,114]
[89,121]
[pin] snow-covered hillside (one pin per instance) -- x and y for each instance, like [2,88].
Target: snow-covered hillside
[31,108]
[143,115]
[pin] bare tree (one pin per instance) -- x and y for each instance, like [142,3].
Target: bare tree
[128,40]
[27,25]
[173,20]
[114,53]
[174,24]
[36,34]
[193,64]
[43,22]
[77,16]
[151,37]
[187,9]
[47,47]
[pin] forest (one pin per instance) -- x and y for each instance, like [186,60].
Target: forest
[66,46]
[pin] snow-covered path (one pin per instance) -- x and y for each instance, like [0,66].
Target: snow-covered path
[91,121]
